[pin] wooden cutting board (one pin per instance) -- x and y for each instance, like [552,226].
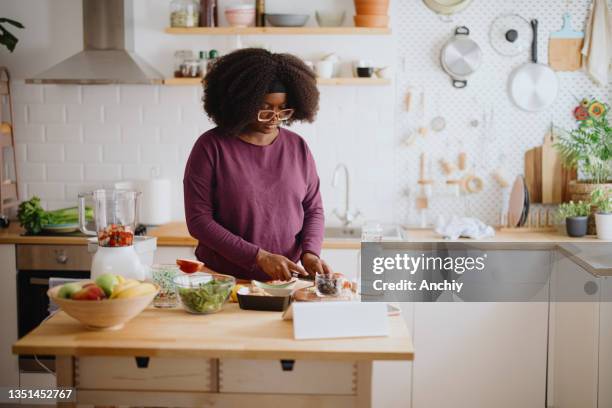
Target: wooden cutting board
[565,46]
[555,177]
[533,173]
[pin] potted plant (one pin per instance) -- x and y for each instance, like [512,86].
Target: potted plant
[576,217]
[588,148]
[602,199]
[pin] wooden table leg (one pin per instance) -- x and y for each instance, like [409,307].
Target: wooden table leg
[364,384]
[64,373]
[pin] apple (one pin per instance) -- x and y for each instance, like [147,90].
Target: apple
[189,265]
[90,291]
[68,289]
[107,282]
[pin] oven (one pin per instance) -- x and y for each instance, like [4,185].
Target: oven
[38,266]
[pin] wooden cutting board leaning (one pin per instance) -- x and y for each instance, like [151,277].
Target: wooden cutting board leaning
[564,47]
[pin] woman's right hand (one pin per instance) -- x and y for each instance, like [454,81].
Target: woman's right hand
[277,266]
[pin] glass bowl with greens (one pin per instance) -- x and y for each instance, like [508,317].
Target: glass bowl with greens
[204,293]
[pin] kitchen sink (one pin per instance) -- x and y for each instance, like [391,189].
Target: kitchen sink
[390,232]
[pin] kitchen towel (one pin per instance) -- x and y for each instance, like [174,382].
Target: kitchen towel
[597,49]
[463,227]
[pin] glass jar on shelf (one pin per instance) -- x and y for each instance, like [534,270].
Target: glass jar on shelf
[184,13]
[180,57]
[191,68]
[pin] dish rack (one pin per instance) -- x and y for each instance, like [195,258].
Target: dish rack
[9,192]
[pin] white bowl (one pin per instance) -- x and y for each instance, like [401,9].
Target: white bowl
[330,18]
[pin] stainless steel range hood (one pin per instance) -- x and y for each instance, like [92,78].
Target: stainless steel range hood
[108,56]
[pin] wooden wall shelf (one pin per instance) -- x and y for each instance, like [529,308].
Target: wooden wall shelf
[320,81]
[278,31]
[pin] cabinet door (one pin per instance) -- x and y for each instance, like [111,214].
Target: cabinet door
[573,336]
[484,354]
[169,254]
[605,344]
[9,373]
[345,261]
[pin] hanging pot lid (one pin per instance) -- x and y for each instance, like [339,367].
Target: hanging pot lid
[447,6]
[461,55]
[510,35]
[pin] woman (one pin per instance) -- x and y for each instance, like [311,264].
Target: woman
[251,187]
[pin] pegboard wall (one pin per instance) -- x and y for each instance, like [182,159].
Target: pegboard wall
[502,133]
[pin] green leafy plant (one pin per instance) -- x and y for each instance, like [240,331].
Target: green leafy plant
[602,199]
[34,218]
[6,37]
[572,209]
[589,147]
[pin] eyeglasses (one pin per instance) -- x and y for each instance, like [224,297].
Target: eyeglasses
[268,115]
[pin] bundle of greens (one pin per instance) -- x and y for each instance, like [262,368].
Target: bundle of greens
[34,218]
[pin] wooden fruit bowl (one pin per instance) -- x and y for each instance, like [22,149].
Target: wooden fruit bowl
[105,314]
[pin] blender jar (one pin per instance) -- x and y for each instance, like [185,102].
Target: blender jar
[115,216]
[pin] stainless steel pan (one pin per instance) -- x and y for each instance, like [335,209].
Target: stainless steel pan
[532,86]
[460,57]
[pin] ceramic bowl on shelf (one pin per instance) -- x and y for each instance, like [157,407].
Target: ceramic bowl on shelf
[287,20]
[330,18]
[368,20]
[242,15]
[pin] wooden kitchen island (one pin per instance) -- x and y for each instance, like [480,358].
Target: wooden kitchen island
[167,357]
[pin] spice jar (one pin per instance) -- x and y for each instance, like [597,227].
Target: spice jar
[190,68]
[180,57]
[184,13]
[163,276]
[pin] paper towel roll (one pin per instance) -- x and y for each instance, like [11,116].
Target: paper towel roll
[155,203]
[156,208]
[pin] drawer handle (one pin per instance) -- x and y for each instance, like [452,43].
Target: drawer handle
[39,281]
[61,257]
[142,362]
[287,365]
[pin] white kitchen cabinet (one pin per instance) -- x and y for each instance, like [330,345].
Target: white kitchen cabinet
[345,261]
[9,373]
[574,336]
[169,254]
[484,354]
[605,344]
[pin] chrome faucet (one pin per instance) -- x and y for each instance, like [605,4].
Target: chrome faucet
[347,217]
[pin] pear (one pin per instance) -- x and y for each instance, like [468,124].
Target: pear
[107,282]
[68,289]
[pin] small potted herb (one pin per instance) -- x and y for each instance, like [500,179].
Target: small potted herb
[576,217]
[602,199]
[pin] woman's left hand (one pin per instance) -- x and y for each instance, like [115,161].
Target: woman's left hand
[313,264]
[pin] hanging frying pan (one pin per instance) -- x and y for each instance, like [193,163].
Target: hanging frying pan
[532,86]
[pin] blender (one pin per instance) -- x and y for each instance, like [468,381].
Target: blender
[115,217]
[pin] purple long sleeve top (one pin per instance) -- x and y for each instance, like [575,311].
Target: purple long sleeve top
[240,197]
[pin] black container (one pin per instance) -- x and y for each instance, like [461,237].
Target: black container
[365,72]
[265,303]
[576,226]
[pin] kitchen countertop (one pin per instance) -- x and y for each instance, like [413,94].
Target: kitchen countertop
[231,333]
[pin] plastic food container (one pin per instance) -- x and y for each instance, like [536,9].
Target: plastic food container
[204,293]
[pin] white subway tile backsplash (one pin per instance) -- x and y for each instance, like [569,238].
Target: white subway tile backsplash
[63,133]
[31,171]
[161,114]
[28,133]
[181,134]
[161,153]
[43,153]
[141,134]
[26,93]
[20,152]
[138,171]
[131,114]
[46,113]
[178,95]
[74,189]
[102,172]
[85,153]
[62,94]
[64,172]
[101,133]
[20,113]
[193,114]
[51,205]
[120,153]
[100,94]
[138,94]
[47,191]
[84,113]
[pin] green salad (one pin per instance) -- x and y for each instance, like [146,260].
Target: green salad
[206,297]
